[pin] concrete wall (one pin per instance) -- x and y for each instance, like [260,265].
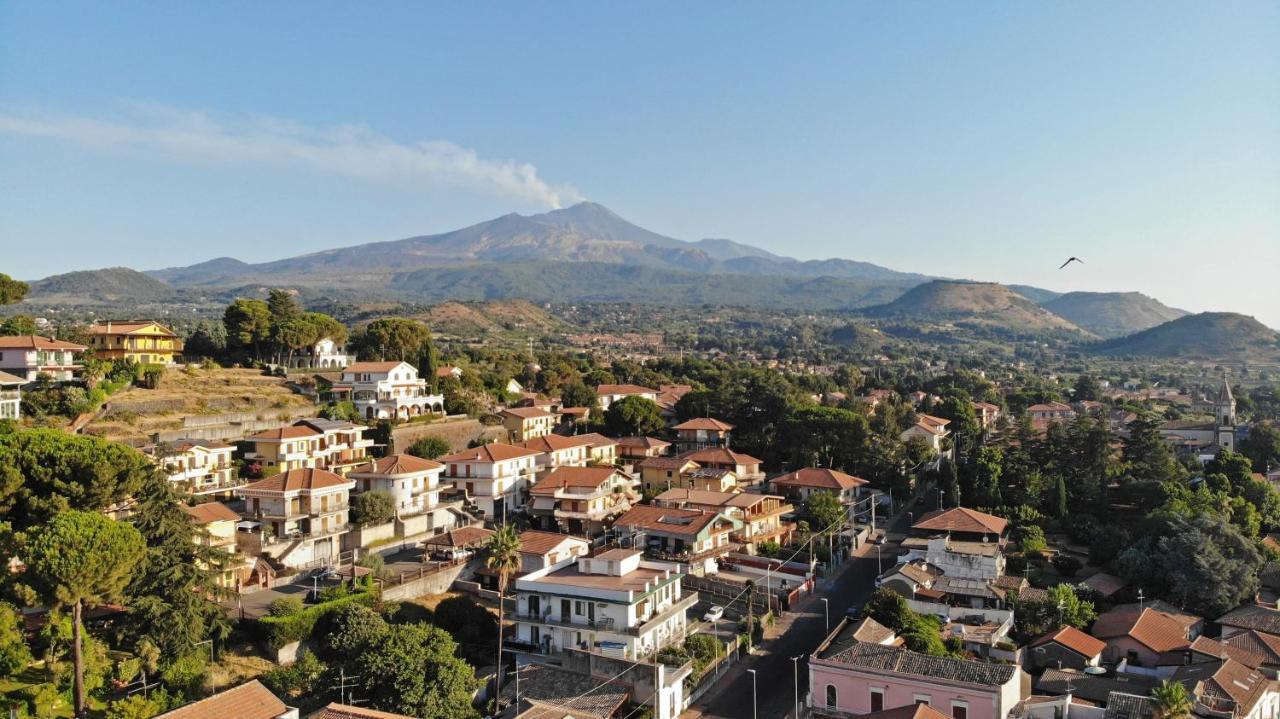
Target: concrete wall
[436,582]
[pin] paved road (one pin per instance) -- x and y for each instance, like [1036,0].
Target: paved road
[732,697]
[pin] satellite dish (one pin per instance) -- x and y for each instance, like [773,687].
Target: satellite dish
[1095,671]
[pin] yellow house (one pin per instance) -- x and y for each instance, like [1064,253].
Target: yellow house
[144,342]
[219,524]
[525,423]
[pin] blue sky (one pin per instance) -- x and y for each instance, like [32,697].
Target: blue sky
[979,140]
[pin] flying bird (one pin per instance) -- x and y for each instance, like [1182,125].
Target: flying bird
[1070,260]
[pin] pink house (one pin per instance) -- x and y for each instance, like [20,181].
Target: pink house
[848,678]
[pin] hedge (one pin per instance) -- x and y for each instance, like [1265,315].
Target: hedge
[276,632]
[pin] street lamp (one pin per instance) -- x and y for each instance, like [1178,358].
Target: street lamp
[753,693]
[939,497]
[826,613]
[879,563]
[795,676]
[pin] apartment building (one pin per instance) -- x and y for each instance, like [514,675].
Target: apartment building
[696,537]
[11,396]
[494,476]
[328,444]
[140,341]
[582,500]
[29,356]
[298,516]
[524,423]
[616,603]
[702,432]
[760,514]
[218,523]
[413,482]
[197,466]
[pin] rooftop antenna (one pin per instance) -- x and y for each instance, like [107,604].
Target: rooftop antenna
[343,697]
[1140,599]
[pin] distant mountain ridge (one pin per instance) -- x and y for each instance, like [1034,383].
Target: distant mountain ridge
[1112,314]
[973,303]
[1205,335]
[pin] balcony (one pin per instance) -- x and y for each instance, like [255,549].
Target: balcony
[546,617]
[685,556]
[214,487]
[11,395]
[681,606]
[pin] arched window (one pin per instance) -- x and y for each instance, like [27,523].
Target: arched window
[831,695]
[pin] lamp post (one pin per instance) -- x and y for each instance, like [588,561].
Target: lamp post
[795,676]
[879,563]
[753,694]
[939,497]
[826,613]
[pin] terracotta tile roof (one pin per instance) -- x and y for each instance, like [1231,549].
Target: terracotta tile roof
[643,442]
[102,327]
[533,541]
[869,630]
[210,512]
[719,455]
[820,478]
[575,411]
[877,657]
[1227,679]
[931,424]
[918,572]
[1050,407]
[1154,630]
[678,496]
[250,700]
[1254,642]
[489,453]
[345,711]
[1104,584]
[704,423]
[961,519]
[1075,640]
[595,439]
[1180,616]
[394,464]
[371,367]
[623,389]
[525,412]
[36,342]
[1212,649]
[305,480]
[1252,617]
[182,445]
[669,520]
[563,477]
[1093,688]
[665,463]
[6,378]
[461,537]
[910,711]
[282,433]
[552,443]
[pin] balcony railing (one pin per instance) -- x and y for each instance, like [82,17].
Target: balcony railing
[679,607]
[546,617]
[10,394]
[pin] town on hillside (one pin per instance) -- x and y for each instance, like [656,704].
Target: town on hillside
[283,514]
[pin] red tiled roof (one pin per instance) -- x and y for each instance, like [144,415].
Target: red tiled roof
[719,455]
[1075,640]
[102,327]
[562,477]
[494,452]
[525,412]
[371,367]
[461,537]
[643,442]
[210,512]
[306,479]
[623,389]
[250,700]
[279,433]
[665,463]
[533,541]
[686,522]
[397,464]
[819,478]
[910,711]
[345,711]
[705,423]
[552,443]
[961,519]
[36,342]
[1152,629]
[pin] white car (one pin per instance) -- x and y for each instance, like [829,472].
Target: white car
[713,614]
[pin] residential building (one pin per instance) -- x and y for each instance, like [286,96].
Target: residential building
[849,678]
[495,476]
[29,356]
[962,524]
[387,390]
[702,432]
[745,467]
[658,474]
[582,500]
[197,466]
[300,514]
[601,449]
[1095,689]
[413,482]
[958,559]
[607,394]
[559,451]
[334,710]
[802,484]
[692,536]
[616,603]
[1249,618]
[328,444]
[218,524]
[524,423]
[988,414]
[1227,688]
[1065,648]
[546,692]
[1206,437]
[639,448]
[250,700]
[327,353]
[1046,412]
[10,396]
[932,431]
[1139,636]
[760,514]
[448,371]
[143,342]
[539,550]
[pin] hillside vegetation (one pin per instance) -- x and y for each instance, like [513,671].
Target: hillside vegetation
[1207,335]
[979,304]
[1112,314]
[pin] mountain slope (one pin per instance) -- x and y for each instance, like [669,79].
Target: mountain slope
[107,285]
[1205,335]
[979,304]
[1112,314]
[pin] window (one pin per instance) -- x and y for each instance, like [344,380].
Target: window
[959,710]
[877,700]
[831,695]
[920,699]
[578,608]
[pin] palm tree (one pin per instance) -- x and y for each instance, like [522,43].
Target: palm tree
[1171,701]
[504,559]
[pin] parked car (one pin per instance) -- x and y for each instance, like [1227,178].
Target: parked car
[449,554]
[854,613]
[715,613]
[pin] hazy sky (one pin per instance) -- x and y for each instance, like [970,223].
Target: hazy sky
[981,140]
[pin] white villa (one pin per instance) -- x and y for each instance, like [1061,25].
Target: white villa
[413,482]
[494,476]
[325,354]
[387,390]
[615,603]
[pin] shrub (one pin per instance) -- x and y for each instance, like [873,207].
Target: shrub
[285,606]
[277,631]
[429,447]
[375,507]
[1067,565]
[769,548]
